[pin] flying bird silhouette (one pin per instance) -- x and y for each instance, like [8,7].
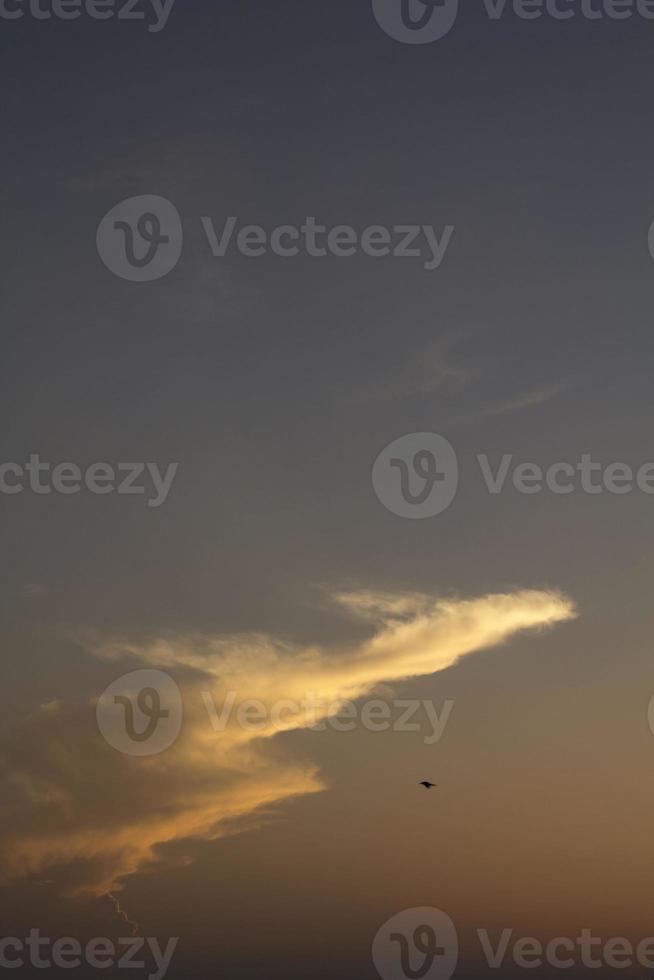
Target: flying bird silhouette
[427,784]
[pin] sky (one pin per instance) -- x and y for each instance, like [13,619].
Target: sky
[268,406]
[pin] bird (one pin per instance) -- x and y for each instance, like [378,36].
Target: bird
[427,784]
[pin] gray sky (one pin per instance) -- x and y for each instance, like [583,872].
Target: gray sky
[274,383]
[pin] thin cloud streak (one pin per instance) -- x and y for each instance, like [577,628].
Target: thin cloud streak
[531,399]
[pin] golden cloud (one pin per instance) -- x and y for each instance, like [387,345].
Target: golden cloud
[77,808]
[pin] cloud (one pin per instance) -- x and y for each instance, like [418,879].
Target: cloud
[33,591]
[422,373]
[536,397]
[530,399]
[81,814]
[38,903]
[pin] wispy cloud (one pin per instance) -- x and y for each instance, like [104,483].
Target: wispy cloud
[32,590]
[530,399]
[422,372]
